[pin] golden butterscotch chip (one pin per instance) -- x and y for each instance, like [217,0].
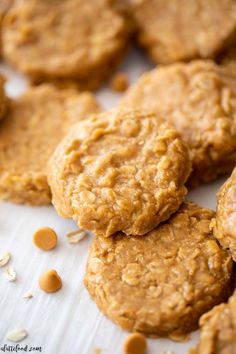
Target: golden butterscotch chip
[119,171]
[218,329]
[199,100]
[180,30]
[135,344]
[50,281]
[161,283]
[45,238]
[30,131]
[65,40]
[120,82]
[224,226]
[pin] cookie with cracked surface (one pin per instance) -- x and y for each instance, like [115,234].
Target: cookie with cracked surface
[161,283]
[30,131]
[119,171]
[180,30]
[199,99]
[58,40]
[4,7]
[218,329]
[228,58]
[224,225]
[3,99]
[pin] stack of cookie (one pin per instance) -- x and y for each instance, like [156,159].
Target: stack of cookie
[157,262]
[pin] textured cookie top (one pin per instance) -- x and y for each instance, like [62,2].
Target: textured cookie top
[62,39]
[3,99]
[218,329]
[33,126]
[199,99]
[162,282]
[119,171]
[175,30]
[224,226]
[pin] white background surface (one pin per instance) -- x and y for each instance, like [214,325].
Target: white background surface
[67,322]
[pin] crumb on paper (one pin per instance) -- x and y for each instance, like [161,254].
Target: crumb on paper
[10,274]
[17,335]
[27,296]
[76,236]
[119,82]
[4,259]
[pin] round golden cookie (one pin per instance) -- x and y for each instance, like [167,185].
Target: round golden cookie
[71,39]
[30,131]
[228,58]
[119,171]
[3,99]
[224,226]
[199,99]
[218,329]
[161,283]
[180,30]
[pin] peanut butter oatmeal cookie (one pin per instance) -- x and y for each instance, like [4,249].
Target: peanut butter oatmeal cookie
[161,283]
[199,99]
[30,131]
[3,99]
[71,39]
[4,7]
[228,58]
[224,226]
[180,30]
[218,329]
[119,171]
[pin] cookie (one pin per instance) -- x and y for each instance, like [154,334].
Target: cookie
[180,30]
[119,171]
[3,99]
[161,283]
[218,329]
[4,7]
[33,126]
[224,226]
[228,58]
[199,99]
[65,40]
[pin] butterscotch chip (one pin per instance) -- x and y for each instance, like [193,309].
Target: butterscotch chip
[135,344]
[65,40]
[224,226]
[218,329]
[45,238]
[33,126]
[161,283]
[120,82]
[199,100]
[119,170]
[180,30]
[50,281]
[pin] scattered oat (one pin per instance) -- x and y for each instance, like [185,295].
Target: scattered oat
[76,236]
[17,335]
[10,274]
[4,259]
[119,82]
[27,296]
